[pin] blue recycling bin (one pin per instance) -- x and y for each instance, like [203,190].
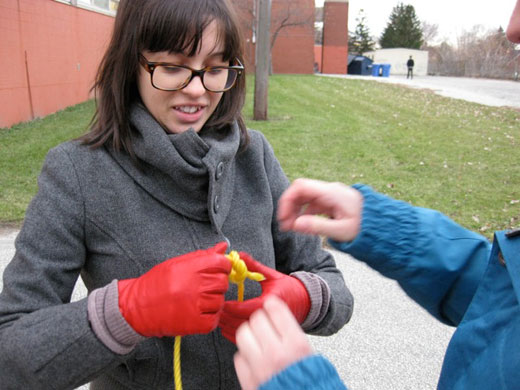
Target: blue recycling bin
[375,69]
[386,70]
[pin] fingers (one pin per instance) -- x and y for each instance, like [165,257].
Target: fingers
[249,344]
[299,209]
[218,264]
[214,284]
[338,229]
[242,310]
[254,359]
[254,266]
[229,324]
[206,323]
[263,330]
[244,373]
[235,314]
[229,334]
[292,337]
[280,316]
[300,193]
[269,342]
[220,247]
[229,328]
[210,303]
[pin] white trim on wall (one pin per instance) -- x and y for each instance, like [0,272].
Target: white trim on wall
[88,5]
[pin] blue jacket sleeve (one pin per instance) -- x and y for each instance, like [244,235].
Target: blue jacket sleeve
[438,263]
[312,373]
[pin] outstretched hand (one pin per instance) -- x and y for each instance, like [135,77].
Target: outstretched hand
[269,342]
[300,205]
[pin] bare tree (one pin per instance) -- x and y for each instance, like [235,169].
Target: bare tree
[478,53]
[262,60]
[430,33]
[285,14]
[442,60]
[288,14]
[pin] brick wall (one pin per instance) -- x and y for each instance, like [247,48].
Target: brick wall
[293,51]
[318,56]
[49,53]
[335,37]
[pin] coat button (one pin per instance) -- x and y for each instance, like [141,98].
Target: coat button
[219,171]
[216,206]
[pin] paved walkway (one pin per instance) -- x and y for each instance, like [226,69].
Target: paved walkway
[497,93]
[390,343]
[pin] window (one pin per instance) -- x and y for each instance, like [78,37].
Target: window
[103,6]
[107,5]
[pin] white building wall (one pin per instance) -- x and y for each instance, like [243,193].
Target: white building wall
[398,58]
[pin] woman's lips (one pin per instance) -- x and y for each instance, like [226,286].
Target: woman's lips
[189,113]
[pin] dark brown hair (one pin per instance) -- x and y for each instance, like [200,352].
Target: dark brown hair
[160,25]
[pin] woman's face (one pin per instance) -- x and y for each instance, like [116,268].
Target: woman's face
[191,106]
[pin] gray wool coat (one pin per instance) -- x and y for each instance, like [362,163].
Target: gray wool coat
[98,215]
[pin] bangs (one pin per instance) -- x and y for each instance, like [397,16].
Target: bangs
[177,27]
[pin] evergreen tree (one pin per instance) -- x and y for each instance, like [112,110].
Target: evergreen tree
[360,41]
[403,29]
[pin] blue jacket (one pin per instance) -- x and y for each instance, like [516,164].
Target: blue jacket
[312,373]
[455,274]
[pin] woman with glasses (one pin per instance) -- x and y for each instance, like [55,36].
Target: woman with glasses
[144,207]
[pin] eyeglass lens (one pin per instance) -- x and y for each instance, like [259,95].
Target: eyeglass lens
[175,77]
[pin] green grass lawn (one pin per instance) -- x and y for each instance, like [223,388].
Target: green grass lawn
[457,157]
[22,151]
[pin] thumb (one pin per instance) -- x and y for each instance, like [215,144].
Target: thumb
[254,266]
[220,248]
[340,229]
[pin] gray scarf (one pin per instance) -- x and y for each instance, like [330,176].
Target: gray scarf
[180,169]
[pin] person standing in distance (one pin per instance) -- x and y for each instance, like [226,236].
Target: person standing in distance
[410,64]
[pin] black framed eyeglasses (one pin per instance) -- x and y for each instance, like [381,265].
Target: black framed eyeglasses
[171,77]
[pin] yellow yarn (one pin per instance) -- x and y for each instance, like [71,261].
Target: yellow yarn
[238,275]
[177,363]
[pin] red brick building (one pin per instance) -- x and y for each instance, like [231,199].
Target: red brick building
[50,49]
[335,37]
[292,29]
[49,54]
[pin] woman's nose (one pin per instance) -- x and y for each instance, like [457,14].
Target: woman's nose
[195,87]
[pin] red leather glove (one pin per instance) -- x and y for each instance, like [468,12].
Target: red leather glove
[183,295]
[286,287]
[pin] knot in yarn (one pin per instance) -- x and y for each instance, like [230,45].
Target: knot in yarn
[239,272]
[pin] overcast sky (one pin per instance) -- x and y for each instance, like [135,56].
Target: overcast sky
[452,16]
